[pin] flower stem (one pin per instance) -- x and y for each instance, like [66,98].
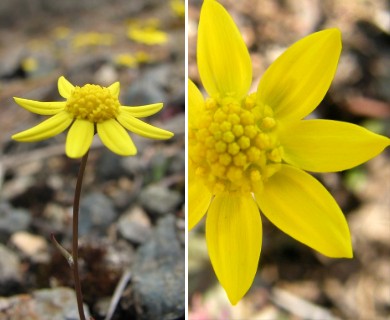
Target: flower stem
[75,237]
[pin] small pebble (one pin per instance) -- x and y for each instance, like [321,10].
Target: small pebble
[158,275]
[96,213]
[135,226]
[10,270]
[159,200]
[28,243]
[12,220]
[46,304]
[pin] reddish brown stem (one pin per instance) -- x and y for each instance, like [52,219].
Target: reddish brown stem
[75,237]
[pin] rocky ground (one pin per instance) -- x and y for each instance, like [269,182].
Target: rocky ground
[293,282]
[132,217]
[132,225]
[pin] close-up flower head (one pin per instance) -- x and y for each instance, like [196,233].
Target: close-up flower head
[88,110]
[249,152]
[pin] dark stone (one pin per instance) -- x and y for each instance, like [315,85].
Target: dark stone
[135,226]
[158,283]
[108,166]
[96,213]
[46,304]
[12,220]
[159,200]
[34,198]
[149,87]
[10,272]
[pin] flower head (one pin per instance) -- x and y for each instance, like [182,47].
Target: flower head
[147,32]
[89,39]
[89,109]
[178,7]
[248,152]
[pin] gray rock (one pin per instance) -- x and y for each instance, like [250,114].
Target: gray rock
[12,220]
[29,244]
[10,274]
[150,170]
[101,306]
[176,124]
[135,226]
[157,83]
[124,198]
[159,200]
[158,167]
[149,87]
[178,162]
[119,255]
[133,165]
[158,275]
[11,9]
[60,301]
[181,227]
[108,166]
[96,213]
[382,78]
[11,59]
[46,304]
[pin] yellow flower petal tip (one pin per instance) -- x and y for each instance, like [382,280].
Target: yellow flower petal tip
[223,59]
[88,109]
[313,60]
[65,88]
[247,148]
[343,145]
[234,237]
[115,89]
[147,32]
[42,108]
[196,209]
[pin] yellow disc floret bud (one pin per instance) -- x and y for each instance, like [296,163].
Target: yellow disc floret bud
[93,103]
[237,149]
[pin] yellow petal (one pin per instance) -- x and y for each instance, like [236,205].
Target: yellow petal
[116,138]
[79,138]
[38,107]
[195,103]
[297,81]
[199,198]
[143,129]
[114,89]
[301,207]
[327,146]
[234,235]
[223,59]
[142,111]
[46,129]
[65,88]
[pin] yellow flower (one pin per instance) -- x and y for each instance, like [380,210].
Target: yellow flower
[178,7]
[126,60]
[249,152]
[148,34]
[93,39]
[61,32]
[30,64]
[89,109]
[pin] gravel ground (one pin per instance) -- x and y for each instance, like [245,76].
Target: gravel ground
[132,208]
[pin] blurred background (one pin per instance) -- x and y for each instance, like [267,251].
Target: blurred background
[293,281]
[132,217]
